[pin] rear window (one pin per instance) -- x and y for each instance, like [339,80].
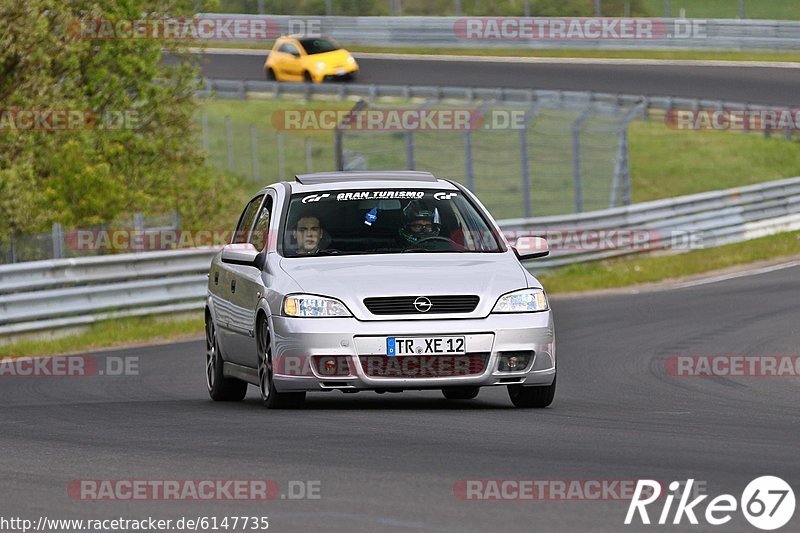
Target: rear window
[385,221]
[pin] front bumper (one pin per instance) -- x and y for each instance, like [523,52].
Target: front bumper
[337,73]
[297,340]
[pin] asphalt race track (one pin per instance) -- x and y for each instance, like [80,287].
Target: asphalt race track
[390,462]
[761,85]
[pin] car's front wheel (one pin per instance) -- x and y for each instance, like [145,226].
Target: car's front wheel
[460,393]
[266,385]
[537,397]
[220,388]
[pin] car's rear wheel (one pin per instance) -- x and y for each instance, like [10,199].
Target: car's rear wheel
[266,385]
[536,397]
[270,74]
[220,388]
[460,393]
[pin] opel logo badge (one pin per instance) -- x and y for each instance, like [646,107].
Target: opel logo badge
[422,304]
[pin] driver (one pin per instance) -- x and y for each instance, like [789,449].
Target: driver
[309,235]
[420,221]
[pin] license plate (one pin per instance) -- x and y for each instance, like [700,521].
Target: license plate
[340,72]
[425,346]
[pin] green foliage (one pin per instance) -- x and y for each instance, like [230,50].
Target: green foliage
[150,162]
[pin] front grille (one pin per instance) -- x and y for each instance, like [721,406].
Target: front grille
[404,305]
[423,366]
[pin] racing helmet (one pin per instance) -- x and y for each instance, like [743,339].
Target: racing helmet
[419,212]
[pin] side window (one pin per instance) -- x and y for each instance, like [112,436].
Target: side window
[246,220]
[291,49]
[261,229]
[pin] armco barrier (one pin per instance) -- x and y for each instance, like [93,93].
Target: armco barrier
[45,295]
[443,32]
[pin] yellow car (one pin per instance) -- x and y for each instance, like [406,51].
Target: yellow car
[311,59]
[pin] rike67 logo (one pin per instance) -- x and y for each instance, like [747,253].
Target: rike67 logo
[767,502]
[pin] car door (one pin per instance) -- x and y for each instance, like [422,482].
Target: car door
[293,64]
[247,289]
[228,318]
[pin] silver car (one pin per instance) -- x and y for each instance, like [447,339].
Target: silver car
[383,281]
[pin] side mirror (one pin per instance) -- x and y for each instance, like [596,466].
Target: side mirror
[531,248]
[240,254]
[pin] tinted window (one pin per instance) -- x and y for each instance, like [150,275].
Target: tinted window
[385,221]
[246,220]
[289,49]
[318,46]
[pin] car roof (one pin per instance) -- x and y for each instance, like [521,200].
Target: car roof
[369,179]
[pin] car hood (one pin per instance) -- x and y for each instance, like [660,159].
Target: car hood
[353,278]
[334,58]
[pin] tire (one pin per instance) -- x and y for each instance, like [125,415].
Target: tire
[536,397]
[271,398]
[270,74]
[307,77]
[460,393]
[220,388]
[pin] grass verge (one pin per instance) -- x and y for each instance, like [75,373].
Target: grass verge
[630,271]
[111,333]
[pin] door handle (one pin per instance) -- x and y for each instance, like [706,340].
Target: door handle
[233,285]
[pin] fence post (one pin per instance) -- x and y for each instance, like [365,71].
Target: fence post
[254,151]
[13,249]
[229,141]
[279,139]
[741,9]
[525,171]
[577,177]
[527,8]
[468,168]
[667,9]
[410,150]
[458,7]
[329,7]
[337,149]
[260,7]
[204,122]
[138,229]
[598,10]
[58,241]
[309,155]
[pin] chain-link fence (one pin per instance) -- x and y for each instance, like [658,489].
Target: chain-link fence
[125,235]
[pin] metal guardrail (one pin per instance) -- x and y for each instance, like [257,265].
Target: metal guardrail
[448,32]
[240,89]
[45,295]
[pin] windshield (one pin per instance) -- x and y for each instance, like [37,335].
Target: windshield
[385,221]
[318,46]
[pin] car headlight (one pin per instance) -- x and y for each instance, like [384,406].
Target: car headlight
[310,305]
[320,66]
[351,60]
[524,301]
